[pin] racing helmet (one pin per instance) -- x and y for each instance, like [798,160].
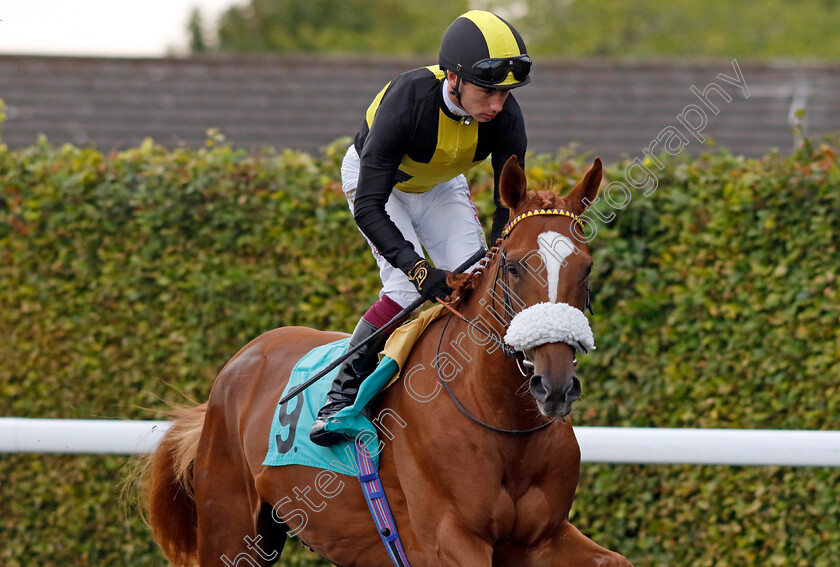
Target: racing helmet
[482,48]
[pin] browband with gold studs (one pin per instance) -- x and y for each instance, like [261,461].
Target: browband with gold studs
[523,216]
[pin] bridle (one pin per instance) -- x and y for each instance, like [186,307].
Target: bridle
[503,269]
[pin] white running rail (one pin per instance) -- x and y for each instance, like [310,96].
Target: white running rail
[92,436]
[761,447]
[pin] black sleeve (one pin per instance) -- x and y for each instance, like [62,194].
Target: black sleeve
[380,158]
[511,140]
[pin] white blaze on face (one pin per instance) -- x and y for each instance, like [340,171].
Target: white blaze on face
[554,248]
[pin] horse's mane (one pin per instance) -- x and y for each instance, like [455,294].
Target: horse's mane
[463,284]
[542,199]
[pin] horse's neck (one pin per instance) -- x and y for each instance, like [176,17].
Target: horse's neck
[493,383]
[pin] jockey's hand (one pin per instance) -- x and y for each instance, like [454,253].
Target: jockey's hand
[429,281]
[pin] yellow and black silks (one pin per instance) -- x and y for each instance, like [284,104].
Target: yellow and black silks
[410,140]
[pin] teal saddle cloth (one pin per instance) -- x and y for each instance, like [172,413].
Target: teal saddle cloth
[288,441]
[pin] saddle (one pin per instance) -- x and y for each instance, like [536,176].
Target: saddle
[289,442]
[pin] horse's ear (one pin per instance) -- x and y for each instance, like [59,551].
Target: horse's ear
[586,190]
[512,183]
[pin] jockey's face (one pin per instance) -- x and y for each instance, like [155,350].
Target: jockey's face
[482,104]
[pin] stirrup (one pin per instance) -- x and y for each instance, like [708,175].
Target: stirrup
[320,436]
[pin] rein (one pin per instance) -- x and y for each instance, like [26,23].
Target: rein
[460,406]
[503,268]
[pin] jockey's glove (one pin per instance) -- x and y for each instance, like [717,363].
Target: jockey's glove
[429,281]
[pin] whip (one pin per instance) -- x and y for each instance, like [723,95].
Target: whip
[396,319]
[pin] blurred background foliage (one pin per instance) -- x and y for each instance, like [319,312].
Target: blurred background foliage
[764,29]
[128,280]
[357,26]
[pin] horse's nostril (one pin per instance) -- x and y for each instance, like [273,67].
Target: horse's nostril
[572,390]
[543,391]
[538,389]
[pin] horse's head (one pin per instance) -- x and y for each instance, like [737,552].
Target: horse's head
[544,266]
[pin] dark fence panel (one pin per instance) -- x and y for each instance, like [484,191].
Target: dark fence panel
[609,108]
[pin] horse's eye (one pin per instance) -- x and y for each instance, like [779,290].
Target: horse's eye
[511,268]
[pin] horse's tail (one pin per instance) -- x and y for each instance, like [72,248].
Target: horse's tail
[167,486]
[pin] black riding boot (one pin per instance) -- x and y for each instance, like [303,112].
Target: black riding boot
[345,387]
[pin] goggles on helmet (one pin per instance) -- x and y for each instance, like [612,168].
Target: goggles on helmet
[494,71]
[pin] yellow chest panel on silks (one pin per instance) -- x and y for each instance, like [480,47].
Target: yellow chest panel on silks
[456,145]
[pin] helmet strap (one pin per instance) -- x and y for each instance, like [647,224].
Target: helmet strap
[456,90]
[457,94]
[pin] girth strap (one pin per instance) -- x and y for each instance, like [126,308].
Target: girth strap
[378,506]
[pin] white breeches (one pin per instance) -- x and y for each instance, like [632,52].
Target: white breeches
[443,220]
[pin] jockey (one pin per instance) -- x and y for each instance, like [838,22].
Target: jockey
[403,177]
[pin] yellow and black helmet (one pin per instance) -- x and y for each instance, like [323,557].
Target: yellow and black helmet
[482,48]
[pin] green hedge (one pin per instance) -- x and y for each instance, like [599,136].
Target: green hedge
[133,277]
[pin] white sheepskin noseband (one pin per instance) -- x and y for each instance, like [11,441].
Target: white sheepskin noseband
[545,323]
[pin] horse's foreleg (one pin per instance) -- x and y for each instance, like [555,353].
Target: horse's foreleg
[570,548]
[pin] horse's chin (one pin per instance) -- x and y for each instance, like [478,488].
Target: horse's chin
[552,409]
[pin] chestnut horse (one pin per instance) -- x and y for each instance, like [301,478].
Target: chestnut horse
[462,494]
